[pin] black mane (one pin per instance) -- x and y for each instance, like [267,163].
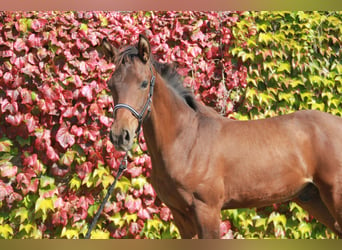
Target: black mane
[167,71]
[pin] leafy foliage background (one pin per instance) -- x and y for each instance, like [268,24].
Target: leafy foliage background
[55,157]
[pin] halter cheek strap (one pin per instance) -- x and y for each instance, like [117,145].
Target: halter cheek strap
[140,116]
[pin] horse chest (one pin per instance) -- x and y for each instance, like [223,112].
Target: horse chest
[168,191]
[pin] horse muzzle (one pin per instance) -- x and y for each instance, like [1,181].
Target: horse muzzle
[122,141]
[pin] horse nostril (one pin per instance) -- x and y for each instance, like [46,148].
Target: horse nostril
[126,136]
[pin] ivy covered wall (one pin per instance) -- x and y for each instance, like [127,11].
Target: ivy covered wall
[56,160]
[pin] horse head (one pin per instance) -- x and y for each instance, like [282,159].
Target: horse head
[131,86]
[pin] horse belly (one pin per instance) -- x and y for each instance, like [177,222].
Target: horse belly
[265,188]
[268,180]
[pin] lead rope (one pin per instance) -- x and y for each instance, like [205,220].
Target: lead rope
[122,167]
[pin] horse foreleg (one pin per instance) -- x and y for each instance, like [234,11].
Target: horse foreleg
[185,224]
[207,220]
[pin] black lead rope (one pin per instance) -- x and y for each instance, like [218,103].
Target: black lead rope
[122,167]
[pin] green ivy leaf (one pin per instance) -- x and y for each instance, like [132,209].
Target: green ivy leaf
[104,21]
[107,180]
[277,219]
[93,209]
[6,231]
[46,181]
[261,222]
[265,98]
[305,228]
[130,217]
[235,51]
[318,106]
[153,224]
[5,144]
[22,141]
[44,205]
[99,234]
[84,27]
[123,184]
[117,219]
[100,171]
[334,21]
[315,79]
[68,158]
[28,228]
[245,56]
[75,183]
[294,83]
[69,233]
[306,97]
[139,182]
[287,97]
[22,213]
[25,24]
[265,38]
[284,67]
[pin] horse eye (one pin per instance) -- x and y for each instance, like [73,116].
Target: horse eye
[144,84]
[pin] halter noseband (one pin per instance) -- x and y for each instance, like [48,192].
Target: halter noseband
[140,116]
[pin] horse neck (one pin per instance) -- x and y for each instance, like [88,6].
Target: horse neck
[169,117]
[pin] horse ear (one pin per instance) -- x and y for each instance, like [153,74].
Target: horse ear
[108,50]
[144,48]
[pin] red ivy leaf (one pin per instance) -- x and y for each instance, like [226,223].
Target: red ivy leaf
[8,171]
[42,53]
[82,46]
[19,45]
[78,131]
[11,107]
[81,214]
[6,53]
[144,214]
[132,204]
[26,183]
[38,24]
[34,41]
[83,68]
[195,51]
[51,154]
[83,203]
[13,197]
[8,77]
[86,91]
[64,138]
[134,171]
[134,228]
[60,218]
[84,169]
[26,96]
[148,190]
[14,120]
[105,120]
[5,190]
[57,171]
[165,213]
[19,61]
[224,227]
[30,122]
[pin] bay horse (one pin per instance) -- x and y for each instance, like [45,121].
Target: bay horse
[203,163]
